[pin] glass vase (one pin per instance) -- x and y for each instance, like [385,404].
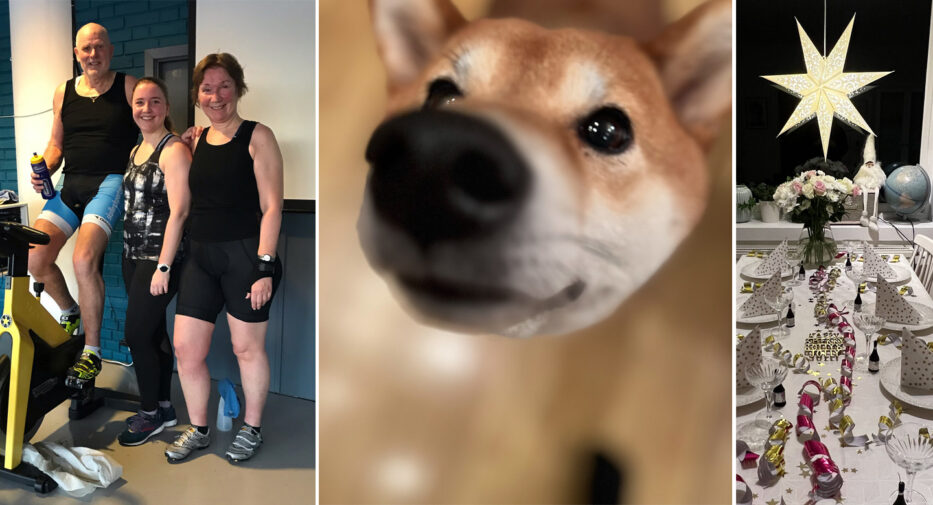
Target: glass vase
[817,245]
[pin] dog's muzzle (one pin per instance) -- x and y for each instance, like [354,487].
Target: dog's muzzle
[439,175]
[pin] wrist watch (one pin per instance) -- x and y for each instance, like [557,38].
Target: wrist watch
[164,267]
[266,258]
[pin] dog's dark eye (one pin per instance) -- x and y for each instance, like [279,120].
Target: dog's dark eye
[608,130]
[442,92]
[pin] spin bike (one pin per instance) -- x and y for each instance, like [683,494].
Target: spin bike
[32,377]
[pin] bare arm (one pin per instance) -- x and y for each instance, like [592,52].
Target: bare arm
[129,83]
[53,151]
[175,163]
[267,166]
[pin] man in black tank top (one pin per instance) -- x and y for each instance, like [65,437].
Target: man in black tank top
[92,132]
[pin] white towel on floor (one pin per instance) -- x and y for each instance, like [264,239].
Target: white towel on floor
[77,470]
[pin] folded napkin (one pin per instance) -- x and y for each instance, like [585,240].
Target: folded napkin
[893,306]
[756,305]
[916,362]
[747,353]
[774,262]
[875,266]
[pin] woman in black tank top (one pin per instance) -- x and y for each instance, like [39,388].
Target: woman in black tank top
[156,199]
[236,213]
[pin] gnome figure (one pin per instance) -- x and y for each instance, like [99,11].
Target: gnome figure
[871,179]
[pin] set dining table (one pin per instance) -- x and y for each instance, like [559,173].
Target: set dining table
[869,475]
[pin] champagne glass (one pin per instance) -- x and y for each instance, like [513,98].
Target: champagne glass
[869,324]
[765,375]
[913,452]
[779,302]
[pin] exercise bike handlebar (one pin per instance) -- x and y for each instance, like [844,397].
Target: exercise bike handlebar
[21,233]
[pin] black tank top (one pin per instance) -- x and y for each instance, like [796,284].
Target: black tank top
[146,203]
[224,196]
[99,132]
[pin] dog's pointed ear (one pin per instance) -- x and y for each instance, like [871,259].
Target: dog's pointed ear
[694,58]
[410,33]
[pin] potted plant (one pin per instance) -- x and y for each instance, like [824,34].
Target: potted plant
[764,193]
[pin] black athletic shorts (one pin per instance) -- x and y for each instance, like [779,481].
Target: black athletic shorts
[218,274]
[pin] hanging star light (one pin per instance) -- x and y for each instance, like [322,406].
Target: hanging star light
[825,89]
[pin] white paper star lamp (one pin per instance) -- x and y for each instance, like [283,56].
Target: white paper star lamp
[825,90]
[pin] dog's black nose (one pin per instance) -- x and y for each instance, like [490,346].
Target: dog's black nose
[443,175]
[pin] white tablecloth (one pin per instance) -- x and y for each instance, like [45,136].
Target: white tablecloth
[869,474]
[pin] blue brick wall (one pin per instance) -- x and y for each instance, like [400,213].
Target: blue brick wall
[7,141]
[134,26]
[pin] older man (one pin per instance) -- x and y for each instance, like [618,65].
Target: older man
[93,132]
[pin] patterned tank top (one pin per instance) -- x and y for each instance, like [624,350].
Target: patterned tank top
[146,205]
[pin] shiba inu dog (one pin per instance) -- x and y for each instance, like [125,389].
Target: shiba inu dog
[527,180]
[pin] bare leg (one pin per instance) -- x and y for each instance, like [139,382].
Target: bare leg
[89,249]
[43,268]
[192,343]
[249,345]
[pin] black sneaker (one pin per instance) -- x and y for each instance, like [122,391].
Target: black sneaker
[169,418]
[141,427]
[85,369]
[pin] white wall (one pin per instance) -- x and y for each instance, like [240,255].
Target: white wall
[274,42]
[41,54]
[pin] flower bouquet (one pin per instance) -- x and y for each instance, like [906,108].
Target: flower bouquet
[816,199]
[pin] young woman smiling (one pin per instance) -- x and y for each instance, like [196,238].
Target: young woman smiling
[156,200]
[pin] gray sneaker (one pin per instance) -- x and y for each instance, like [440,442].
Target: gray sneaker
[190,440]
[245,445]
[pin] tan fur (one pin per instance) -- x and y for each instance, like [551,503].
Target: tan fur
[413,414]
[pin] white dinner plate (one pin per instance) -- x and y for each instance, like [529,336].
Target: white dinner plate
[891,381]
[902,273]
[749,271]
[926,317]
[748,396]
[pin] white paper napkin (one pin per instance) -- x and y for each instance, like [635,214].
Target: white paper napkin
[748,352]
[875,266]
[757,305]
[774,262]
[893,307]
[916,362]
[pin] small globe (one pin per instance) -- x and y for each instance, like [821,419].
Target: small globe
[907,189]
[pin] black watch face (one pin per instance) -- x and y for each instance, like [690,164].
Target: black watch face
[163,268]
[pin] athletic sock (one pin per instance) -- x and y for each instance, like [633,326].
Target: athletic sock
[257,428]
[204,430]
[74,309]
[165,404]
[149,412]
[92,349]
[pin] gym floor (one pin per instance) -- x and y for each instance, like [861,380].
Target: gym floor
[282,472]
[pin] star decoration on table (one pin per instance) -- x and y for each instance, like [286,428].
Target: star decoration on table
[754,495]
[845,470]
[855,470]
[825,90]
[772,501]
[802,466]
[790,491]
[858,451]
[805,473]
[840,499]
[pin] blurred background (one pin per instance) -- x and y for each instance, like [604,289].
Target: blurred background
[409,413]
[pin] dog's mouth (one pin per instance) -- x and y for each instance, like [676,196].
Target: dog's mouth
[465,294]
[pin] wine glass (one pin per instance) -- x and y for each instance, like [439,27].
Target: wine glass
[779,301]
[913,452]
[868,323]
[765,375]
